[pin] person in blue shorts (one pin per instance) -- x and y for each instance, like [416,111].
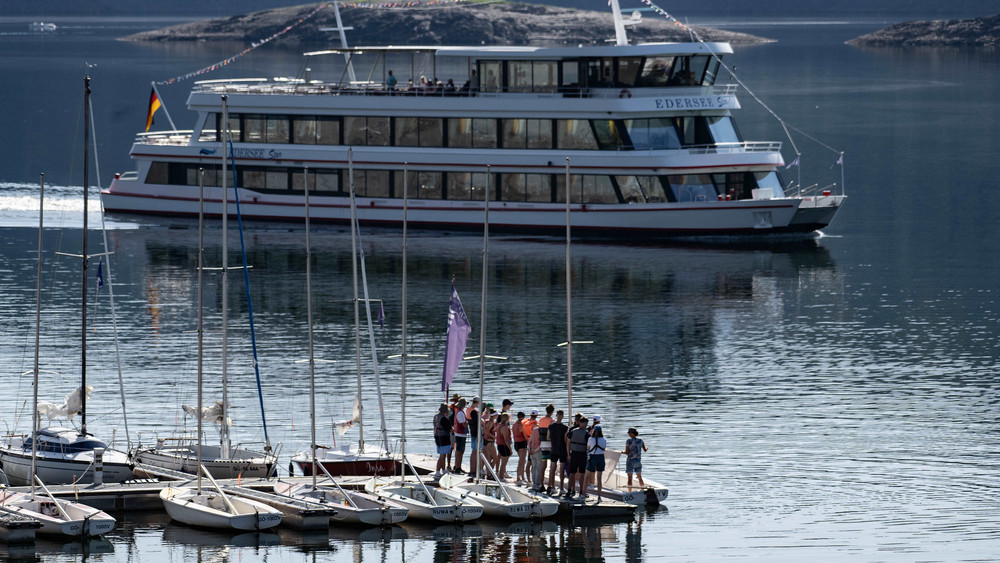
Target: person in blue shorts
[634,447]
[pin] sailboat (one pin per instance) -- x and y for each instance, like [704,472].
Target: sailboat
[424,501]
[499,499]
[61,454]
[222,460]
[359,459]
[351,507]
[57,517]
[193,505]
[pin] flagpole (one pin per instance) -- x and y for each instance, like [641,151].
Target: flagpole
[843,187]
[482,324]
[569,303]
[164,106]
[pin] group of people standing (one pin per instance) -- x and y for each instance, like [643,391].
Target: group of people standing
[542,444]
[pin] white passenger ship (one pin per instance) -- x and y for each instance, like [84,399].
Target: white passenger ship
[645,133]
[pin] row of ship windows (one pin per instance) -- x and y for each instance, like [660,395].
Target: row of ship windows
[465,186]
[508,133]
[613,72]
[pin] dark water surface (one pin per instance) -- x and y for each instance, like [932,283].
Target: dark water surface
[828,400]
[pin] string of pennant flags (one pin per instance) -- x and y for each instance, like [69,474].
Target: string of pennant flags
[664,13]
[252,46]
[256,44]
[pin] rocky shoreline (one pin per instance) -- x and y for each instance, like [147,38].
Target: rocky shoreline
[498,23]
[974,32]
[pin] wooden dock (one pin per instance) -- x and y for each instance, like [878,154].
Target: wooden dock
[141,495]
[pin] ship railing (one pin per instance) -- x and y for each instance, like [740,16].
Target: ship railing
[812,191]
[170,138]
[734,148]
[281,86]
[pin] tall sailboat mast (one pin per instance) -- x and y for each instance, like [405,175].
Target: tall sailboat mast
[83,270]
[224,432]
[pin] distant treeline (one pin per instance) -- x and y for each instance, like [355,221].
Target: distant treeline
[896,10]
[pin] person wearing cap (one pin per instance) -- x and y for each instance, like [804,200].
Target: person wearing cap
[506,406]
[461,426]
[520,445]
[558,457]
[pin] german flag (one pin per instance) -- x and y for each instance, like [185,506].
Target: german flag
[154,104]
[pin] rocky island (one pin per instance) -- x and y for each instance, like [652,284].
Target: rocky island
[493,23]
[974,32]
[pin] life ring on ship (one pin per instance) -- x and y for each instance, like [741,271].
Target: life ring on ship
[624,93]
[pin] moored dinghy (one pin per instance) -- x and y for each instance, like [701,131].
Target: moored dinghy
[615,486]
[351,507]
[501,500]
[425,502]
[216,509]
[57,516]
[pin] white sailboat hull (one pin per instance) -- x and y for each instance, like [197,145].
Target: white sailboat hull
[368,510]
[63,468]
[78,520]
[442,506]
[239,463]
[209,510]
[615,485]
[522,504]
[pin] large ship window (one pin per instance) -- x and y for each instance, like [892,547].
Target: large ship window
[371,183]
[420,184]
[277,129]
[355,130]
[234,126]
[211,176]
[310,130]
[641,189]
[655,71]
[711,71]
[692,187]
[520,76]
[656,133]
[544,76]
[693,131]
[157,173]
[570,80]
[526,133]
[601,72]
[722,129]
[327,131]
[484,133]
[261,178]
[253,129]
[465,186]
[688,71]
[320,180]
[574,134]
[431,131]
[406,132]
[586,189]
[609,135]
[304,131]
[628,70]
[739,185]
[377,132]
[490,76]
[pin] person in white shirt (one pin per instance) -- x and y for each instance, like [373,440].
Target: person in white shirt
[595,459]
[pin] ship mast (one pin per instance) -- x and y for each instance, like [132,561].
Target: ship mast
[620,38]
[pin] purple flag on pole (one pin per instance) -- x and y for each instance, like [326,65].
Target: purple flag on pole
[458,334]
[381,316]
[100,275]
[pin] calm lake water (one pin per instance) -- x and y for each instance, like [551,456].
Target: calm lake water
[834,399]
